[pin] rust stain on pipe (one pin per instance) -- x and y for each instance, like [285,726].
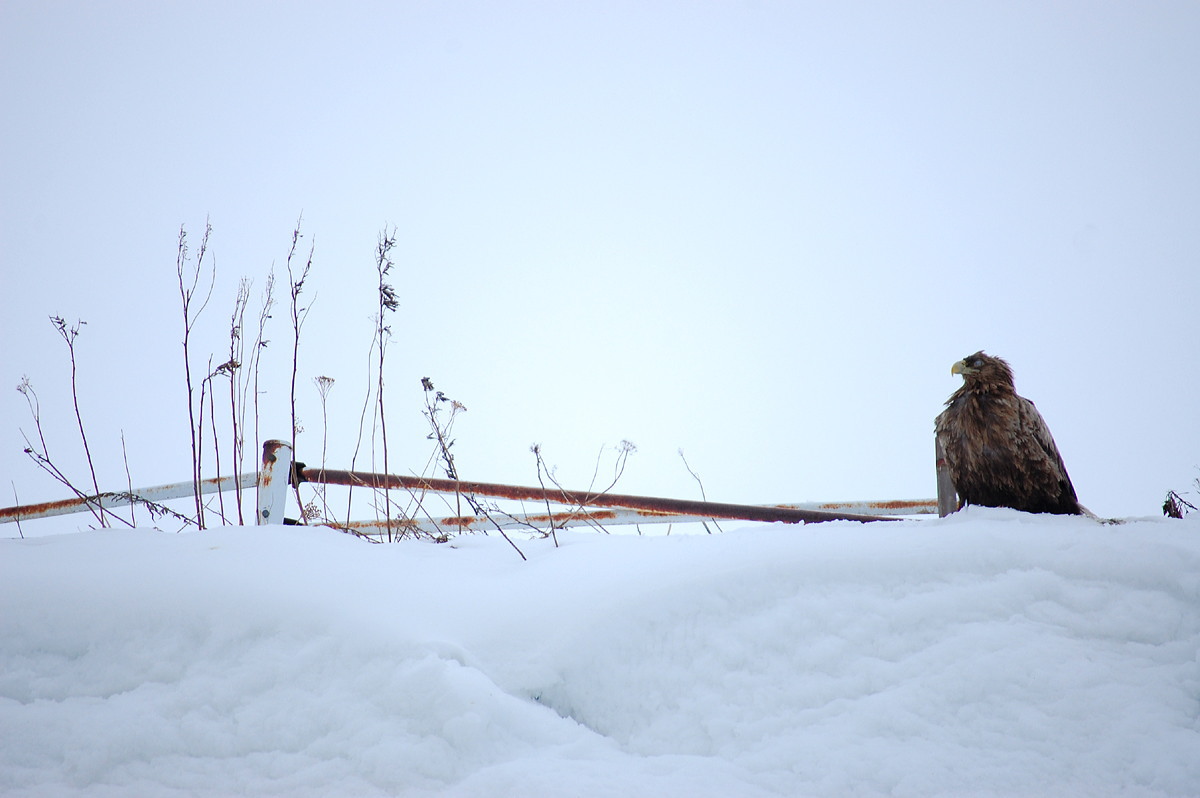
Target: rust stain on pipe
[895,504]
[29,511]
[110,499]
[649,504]
[479,523]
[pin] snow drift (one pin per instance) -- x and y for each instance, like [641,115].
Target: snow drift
[990,653]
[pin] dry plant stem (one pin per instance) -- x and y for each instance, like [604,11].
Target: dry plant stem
[504,534]
[440,536]
[324,386]
[416,507]
[42,457]
[208,390]
[199,462]
[260,343]
[361,421]
[187,293]
[703,497]
[69,335]
[387,302]
[154,508]
[381,502]
[128,482]
[441,434]
[17,503]
[43,462]
[520,522]
[299,315]
[623,451]
[537,454]
[509,540]
[453,506]
[582,508]
[212,420]
[237,355]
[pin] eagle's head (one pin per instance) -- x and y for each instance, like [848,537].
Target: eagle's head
[981,371]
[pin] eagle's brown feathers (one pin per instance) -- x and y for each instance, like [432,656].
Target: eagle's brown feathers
[997,446]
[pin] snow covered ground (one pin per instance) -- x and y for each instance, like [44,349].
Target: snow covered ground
[990,653]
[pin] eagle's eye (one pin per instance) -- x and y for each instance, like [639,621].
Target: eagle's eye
[977,364]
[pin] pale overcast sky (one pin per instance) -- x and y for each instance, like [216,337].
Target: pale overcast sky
[757,231]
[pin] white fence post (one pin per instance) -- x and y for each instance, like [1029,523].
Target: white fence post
[273,480]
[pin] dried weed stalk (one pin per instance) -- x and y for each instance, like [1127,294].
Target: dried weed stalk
[299,315]
[388,303]
[69,334]
[703,496]
[324,386]
[41,456]
[189,282]
[260,343]
[580,511]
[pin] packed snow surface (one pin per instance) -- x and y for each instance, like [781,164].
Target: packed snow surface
[990,653]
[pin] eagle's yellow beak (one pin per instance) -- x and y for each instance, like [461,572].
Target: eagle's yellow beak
[959,368]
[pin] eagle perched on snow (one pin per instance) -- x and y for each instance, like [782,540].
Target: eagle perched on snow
[997,446]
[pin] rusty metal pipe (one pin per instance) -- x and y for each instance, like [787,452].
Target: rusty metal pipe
[615,516]
[742,512]
[157,493]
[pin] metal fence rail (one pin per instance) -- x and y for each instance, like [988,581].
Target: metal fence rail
[541,522]
[117,499]
[278,473]
[590,508]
